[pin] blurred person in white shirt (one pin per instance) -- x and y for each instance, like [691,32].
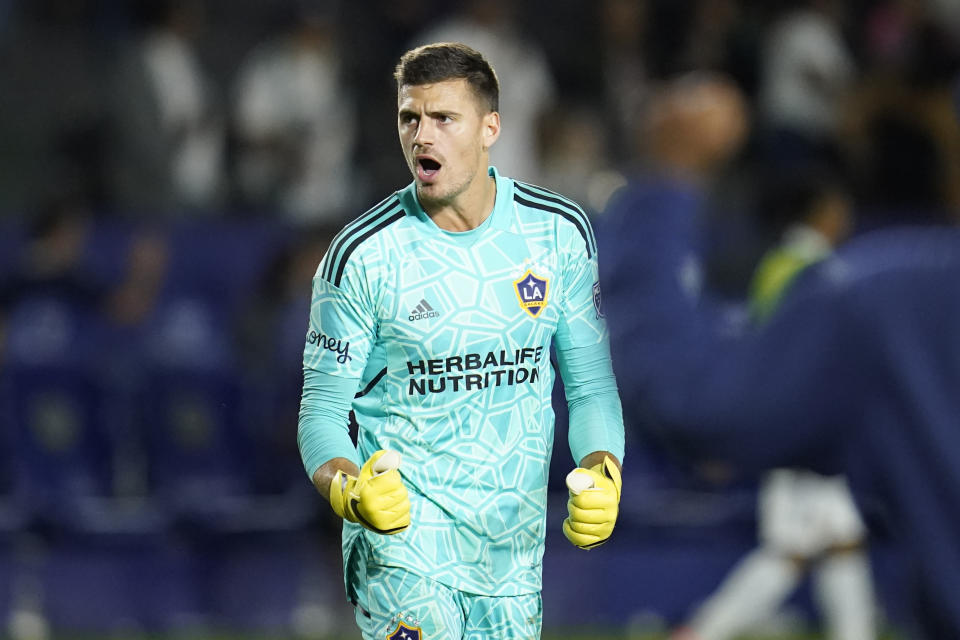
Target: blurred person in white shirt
[170,140]
[807,72]
[295,123]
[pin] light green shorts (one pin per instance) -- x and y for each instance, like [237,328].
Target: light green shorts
[394,604]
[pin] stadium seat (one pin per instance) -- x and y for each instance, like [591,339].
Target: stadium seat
[72,465]
[66,466]
[202,451]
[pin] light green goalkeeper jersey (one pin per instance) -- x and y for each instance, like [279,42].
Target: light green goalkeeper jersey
[440,343]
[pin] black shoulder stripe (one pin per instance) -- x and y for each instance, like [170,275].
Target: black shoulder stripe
[352,229]
[356,239]
[358,223]
[367,389]
[557,198]
[548,194]
[577,222]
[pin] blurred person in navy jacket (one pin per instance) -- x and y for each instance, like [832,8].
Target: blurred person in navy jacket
[866,339]
[807,523]
[690,131]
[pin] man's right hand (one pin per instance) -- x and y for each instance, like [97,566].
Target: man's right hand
[376,498]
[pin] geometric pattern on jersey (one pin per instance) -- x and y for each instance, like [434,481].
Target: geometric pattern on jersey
[401,604]
[454,372]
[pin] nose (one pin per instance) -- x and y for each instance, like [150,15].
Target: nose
[425,132]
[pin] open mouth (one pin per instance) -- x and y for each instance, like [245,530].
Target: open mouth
[427,168]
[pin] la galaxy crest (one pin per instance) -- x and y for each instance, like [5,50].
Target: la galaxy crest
[403,632]
[532,291]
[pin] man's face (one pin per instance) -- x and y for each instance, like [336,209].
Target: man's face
[446,134]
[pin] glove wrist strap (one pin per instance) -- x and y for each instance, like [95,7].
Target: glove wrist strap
[338,486]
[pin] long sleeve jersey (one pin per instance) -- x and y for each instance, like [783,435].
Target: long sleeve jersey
[440,342]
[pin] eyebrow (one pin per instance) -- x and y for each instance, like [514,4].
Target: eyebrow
[431,114]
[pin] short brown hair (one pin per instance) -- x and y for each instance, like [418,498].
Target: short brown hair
[450,61]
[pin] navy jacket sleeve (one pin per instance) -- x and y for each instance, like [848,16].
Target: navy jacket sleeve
[767,397]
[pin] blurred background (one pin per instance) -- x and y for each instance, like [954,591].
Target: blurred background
[171,172]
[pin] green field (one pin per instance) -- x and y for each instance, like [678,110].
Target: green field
[578,634]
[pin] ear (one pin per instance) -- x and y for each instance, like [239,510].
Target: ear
[490,129]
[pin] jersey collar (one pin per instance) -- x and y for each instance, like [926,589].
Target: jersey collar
[499,219]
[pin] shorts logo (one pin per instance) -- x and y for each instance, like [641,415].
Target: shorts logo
[532,290]
[422,310]
[596,299]
[403,632]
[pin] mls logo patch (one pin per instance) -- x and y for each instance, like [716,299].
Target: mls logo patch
[403,632]
[596,299]
[532,292]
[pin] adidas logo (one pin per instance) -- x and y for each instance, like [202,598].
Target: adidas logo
[422,310]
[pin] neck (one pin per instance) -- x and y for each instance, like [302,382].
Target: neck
[468,210]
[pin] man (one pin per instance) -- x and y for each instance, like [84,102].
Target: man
[433,316]
[807,522]
[866,339]
[529,91]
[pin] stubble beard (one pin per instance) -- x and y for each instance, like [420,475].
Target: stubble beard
[442,199]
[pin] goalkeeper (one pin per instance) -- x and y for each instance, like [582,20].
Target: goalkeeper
[433,318]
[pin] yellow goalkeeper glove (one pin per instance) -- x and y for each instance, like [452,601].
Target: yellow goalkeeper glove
[377,498]
[593,504]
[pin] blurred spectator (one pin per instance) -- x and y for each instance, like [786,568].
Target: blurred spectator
[295,123]
[623,66]
[691,129]
[52,276]
[808,70]
[576,158]
[693,125]
[52,123]
[901,129]
[271,321]
[726,36]
[269,338]
[807,522]
[813,212]
[50,262]
[369,69]
[865,339]
[527,88]
[169,137]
